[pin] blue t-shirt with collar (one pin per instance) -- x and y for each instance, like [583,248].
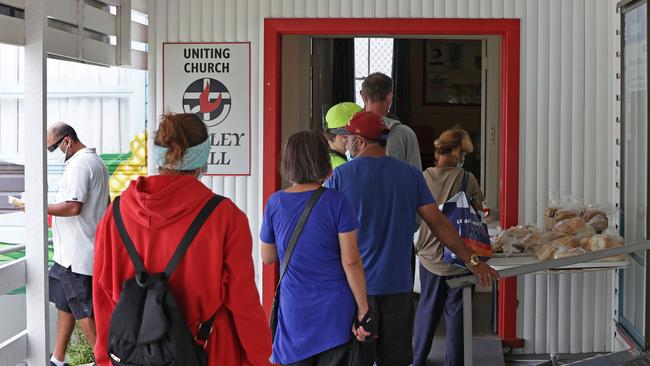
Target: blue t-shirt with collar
[385,193]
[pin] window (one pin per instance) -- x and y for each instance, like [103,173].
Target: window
[371,55]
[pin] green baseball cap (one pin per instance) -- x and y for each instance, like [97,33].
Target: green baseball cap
[340,114]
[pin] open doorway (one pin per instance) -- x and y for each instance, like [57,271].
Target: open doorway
[439,82]
[275,84]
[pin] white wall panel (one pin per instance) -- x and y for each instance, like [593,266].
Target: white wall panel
[567,115]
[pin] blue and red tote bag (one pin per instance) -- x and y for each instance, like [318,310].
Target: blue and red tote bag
[469,224]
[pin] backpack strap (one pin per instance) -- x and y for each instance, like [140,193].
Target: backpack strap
[128,243]
[205,329]
[191,233]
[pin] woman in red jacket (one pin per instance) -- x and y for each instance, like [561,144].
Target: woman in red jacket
[215,275]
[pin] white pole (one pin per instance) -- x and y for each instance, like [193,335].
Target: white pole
[36,182]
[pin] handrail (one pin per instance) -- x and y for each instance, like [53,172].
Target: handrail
[556,263]
[18,247]
[13,248]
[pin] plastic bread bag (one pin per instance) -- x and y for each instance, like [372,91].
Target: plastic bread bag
[516,239]
[545,251]
[599,216]
[563,252]
[606,241]
[504,242]
[571,226]
[541,238]
[508,241]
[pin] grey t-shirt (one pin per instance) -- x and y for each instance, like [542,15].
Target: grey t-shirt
[402,143]
[443,183]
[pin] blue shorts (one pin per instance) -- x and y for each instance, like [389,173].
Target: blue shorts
[71,292]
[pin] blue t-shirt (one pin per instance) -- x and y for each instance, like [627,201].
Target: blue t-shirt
[316,303]
[386,193]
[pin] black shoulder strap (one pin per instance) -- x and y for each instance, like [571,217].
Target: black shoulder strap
[296,233]
[189,236]
[182,247]
[130,248]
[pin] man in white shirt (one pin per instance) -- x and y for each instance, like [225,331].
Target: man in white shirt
[80,203]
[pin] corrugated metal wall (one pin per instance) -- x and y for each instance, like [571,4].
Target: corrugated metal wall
[568,124]
[208,20]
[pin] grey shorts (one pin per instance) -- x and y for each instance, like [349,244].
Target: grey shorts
[71,292]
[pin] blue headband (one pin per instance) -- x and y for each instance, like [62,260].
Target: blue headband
[194,157]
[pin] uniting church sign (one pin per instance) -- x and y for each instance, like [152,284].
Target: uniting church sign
[212,80]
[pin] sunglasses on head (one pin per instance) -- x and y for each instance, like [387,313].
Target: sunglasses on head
[55,145]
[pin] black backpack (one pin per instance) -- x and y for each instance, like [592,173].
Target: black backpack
[147,326]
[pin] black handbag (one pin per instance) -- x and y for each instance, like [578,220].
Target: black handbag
[287,256]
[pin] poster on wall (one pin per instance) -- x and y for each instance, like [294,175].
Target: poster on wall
[212,80]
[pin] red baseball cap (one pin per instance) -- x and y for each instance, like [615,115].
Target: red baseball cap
[364,124]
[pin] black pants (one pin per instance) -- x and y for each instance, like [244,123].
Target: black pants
[393,346]
[337,356]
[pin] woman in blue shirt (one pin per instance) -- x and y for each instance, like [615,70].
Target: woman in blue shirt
[324,287]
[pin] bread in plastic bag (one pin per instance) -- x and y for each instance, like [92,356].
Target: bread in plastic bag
[516,239]
[567,242]
[562,252]
[545,251]
[604,241]
[592,212]
[599,222]
[544,237]
[567,213]
[571,226]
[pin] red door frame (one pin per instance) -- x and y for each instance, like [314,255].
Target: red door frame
[509,32]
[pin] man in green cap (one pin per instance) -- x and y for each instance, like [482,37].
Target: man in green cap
[337,117]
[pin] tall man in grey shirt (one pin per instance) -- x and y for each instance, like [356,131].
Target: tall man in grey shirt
[402,144]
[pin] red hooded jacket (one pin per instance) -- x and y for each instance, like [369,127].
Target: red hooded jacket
[216,273]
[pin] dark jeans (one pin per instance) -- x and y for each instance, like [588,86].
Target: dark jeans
[393,346]
[337,356]
[436,299]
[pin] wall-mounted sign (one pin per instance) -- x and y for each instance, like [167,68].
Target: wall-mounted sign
[212,80]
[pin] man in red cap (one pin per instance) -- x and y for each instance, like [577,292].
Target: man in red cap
[386,193]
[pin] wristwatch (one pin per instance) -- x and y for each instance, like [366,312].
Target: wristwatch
[473,260]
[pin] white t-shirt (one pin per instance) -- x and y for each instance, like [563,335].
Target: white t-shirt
[85,179]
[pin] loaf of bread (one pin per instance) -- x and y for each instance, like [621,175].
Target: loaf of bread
[599,222]
[550,211]
[571,226]
[545,252]
[591,212]
[558,248]
[541,238]
[586,231]
[604,241]
[562,252]
[567,242]
[567,213]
